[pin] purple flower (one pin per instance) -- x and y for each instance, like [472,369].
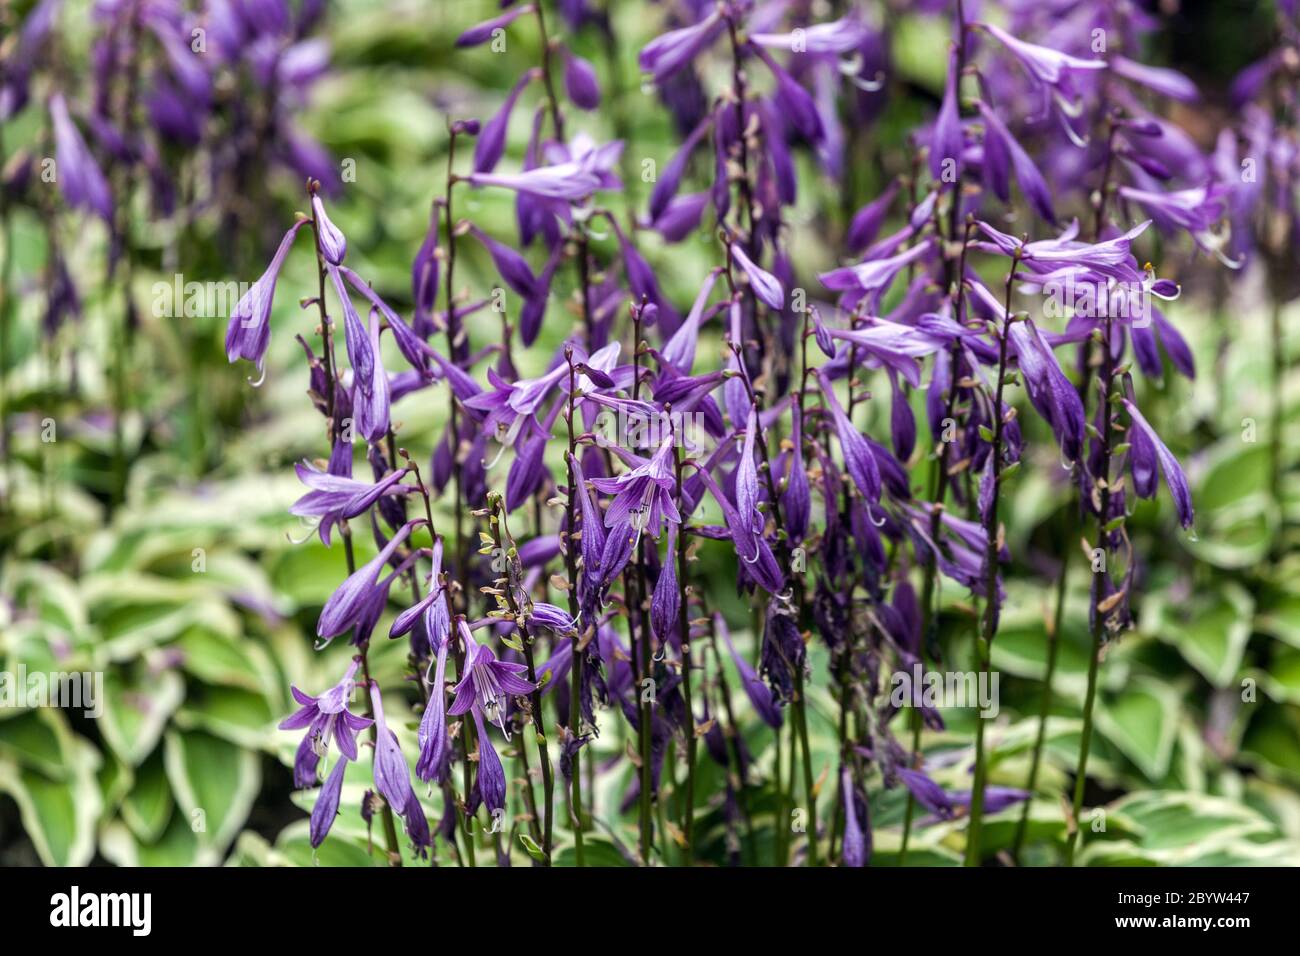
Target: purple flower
[643,495]
[855,844]
[327,805]
[1049,390]
[859,462]
[82,182]
[511,265]
[482,32]
[1051,70]
[492,139]
[665,602]
[392,776]
[349,601]
[326,717]
[764,284]
[333,245]
[1147,451]
[1167,82]
[580,81]
[837,37]
[487,682]
[371,399]
[249,332]
[435,741]
[665,55]
[872,278]
[946,141]
[867,221]
[334,498]
[1001,148]
[759,694]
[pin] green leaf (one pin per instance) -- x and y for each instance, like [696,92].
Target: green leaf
[215,783]
[58,815]
[177,846]
[1142,721]
[223,659]
[1210,630]
[137,709]
[535,851]
[240,716]
[595,852]
[148,806]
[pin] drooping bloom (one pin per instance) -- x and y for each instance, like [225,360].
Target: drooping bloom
[326,718]
[249,332]
[79,176]
[1051,393]
[1147,452]
[859,462]
[665,55]
[644,495]
[335,498]
[350,600]
[487,682]
[765,285]
[759,694]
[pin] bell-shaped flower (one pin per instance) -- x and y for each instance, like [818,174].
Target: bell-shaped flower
[80,179]
[334,498]
[249,332]
[326,718]
[487,682]
[350,599]
[643,495]
[1147,452]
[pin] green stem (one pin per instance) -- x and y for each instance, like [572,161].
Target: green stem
[1053,647]
[984,643]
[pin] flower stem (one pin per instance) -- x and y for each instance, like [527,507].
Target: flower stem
[497,524]
[1053,649]
[579,650]
[683,628]
[984,645]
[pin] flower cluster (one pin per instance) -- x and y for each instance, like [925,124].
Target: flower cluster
[839,549]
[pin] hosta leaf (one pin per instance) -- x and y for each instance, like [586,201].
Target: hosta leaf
[58,815]
[176,846]
[137,710]
[40,739]
[1210,631]
[1142,721]
[148,807]
[220,659]
[214,782]
[240,716]
[294,843]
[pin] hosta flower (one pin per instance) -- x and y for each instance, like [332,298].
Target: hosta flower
[1051,393]
[79,176]
[1147,452]
[482,32]
[643,496]
[764,284]
[665,55]
[487,682]
[350,600]
[334,498]
[326,718]
[760,695]
[248,333]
